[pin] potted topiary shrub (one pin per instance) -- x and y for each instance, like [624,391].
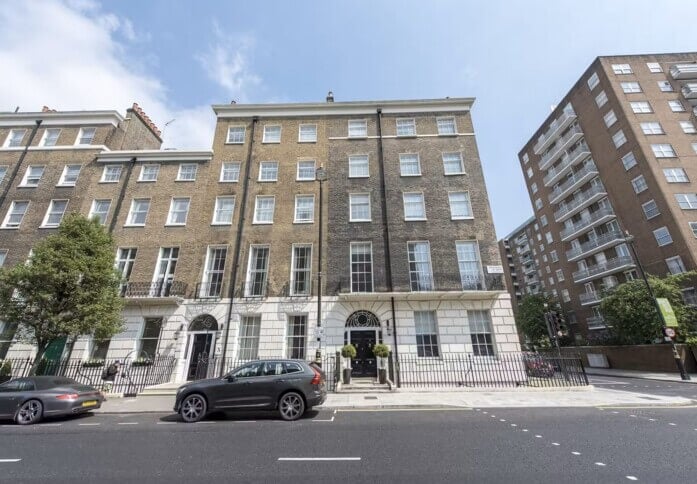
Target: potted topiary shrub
[691,341]
[348,352]
[5,371]
[381,352]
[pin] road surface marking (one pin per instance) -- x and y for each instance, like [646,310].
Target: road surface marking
[9,461]
[335,410]
[555,443]
[166,423]
[672,424]
[633,416]
[652,420]
[89,424]
[127,423]
[326,420]
[600,464]
[52,425]
[538,436]
[575,453]
[525,430]
[632,478]
[515,425]
[206,422]
[317,458]
[502,420]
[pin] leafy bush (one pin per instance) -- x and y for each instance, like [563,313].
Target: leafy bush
[93,363]
[348,351]
[142,362]
[6,368]
[381,350]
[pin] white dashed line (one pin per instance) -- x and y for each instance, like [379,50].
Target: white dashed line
[326,420]
[89,424]
[600,464]
[538,436]
[127,423]
[632,478]
[206,422]
[52,425]
[652,420]
[166,423]
[633,416]
[9,461]
[317,458]
[555,443]
[525,430]
[615,411]
[575,453]
[502,420]
[671,423]
[515,425]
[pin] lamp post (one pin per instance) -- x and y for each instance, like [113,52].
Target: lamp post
[320,175]
[630,240]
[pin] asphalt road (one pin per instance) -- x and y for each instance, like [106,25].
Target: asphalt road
[654,387]
[469,445]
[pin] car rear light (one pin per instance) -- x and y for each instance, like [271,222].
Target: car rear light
[318,376]
[67,396]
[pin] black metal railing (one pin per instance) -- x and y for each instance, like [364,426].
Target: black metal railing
[437,282]
[153,289]
[208,290]
[132,378]
[504,370]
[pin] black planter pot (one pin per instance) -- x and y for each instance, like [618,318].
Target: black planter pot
[347,376]
[382,376]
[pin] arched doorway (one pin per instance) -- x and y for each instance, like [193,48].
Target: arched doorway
[201,342]
[363,331]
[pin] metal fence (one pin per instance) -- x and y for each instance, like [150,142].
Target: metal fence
[504,370]
[132,378]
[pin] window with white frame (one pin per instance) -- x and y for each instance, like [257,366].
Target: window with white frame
[553,256]
[306,170]
[676,106]
[214,273]
[630,87]
[257,271]
[426,331]
[235,135]
[619,138]
[533,187]
[98,348]
[100,210]
[85,136]
[406,127]
[420,272]
[560,275]
[409,164]
[111,174]
[686,201]
[650,209]
[307,133]
[652,127]
[480,332]
[526,158]
[665,86]
[529,172]
[675,175]
[296,336]
[361,267]
[187,172]
[654,67]
[662,236]
[414,206]
[248,340]
[304,209]
[125,258]
[452,163]
[138,212]
[629,161]
[301,272]
[230,172]
[268,171]
[610,118]
[50,137]
[675,265]
[601,99]
[272,134]
[663,150]
[565,295]
[357,128]
[69,176]
[32,176]
[538,203]
[14,138]
[3,172]
[178,211]
[446,126]
[3,256]
[54,214]
[593,81]
[641,107]
[148,173]
[358,166]
[264,209]
[359,207]
[621,68]
[15,214]
[548,237]
[688,127]
[693,227]
[224,208]
[149,339]
[639,184]
[470,265]
[460,205]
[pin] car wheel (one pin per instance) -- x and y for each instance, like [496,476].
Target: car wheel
[291,406]
[29,413]
[193,408]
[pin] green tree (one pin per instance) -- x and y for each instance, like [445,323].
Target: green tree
[631,314]
[531,318]
[68,288]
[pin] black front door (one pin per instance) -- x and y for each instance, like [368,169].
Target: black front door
[200,350]
[364,364]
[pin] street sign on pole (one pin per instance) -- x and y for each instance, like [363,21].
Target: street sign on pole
[667,311]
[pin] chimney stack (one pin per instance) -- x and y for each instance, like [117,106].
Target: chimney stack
[330,97]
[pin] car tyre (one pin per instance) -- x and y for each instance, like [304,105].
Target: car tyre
[30,412]
[193,408]
[291,406]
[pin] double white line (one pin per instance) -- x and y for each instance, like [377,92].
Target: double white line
[317,458]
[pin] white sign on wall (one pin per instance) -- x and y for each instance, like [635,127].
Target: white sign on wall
[494,269]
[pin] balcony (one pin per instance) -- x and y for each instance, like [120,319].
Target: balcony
[599,270]
[595,245]
[689,90]
[684,71]
[576,180]
[524,249]
[596,322]
[154,292]
[596,218]
[555,127]
[580,201]
[572,136]
[589,298]
[578,154]
[529,269]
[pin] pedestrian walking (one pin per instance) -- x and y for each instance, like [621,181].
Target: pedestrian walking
[109,375]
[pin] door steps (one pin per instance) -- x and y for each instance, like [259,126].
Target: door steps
[364,385]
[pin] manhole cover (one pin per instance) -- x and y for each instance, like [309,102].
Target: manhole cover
[371,398]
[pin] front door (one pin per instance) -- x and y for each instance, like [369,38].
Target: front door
[199,361]
[365,363]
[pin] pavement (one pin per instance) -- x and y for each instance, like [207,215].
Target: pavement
[644,375]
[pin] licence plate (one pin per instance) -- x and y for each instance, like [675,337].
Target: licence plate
[89,403]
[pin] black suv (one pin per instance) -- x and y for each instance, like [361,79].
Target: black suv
[289,386]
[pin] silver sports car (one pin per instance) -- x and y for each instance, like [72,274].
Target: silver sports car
[28,400]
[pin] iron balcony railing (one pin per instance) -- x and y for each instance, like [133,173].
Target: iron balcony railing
[689,90]
[436,282]
[596,217]
[684,71]
[589,298]
[596,322]
[529,269]
[565,119]
[581,176]
[572,135]
[607,267]
[209,290]
[153,289]
[579,153]
[582,199]
[593,245]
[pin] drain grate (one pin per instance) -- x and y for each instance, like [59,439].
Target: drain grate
[371,398]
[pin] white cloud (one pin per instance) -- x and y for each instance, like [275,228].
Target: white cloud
[72,56]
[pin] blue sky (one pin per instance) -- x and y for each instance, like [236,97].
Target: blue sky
[177,57]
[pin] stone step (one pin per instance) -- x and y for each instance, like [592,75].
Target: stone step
[377,389]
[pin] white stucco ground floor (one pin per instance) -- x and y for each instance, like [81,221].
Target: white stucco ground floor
[423,325]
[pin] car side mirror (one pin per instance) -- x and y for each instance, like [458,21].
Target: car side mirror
[230,378]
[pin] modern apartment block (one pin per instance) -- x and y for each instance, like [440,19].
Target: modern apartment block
[617,154]
[373,216]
